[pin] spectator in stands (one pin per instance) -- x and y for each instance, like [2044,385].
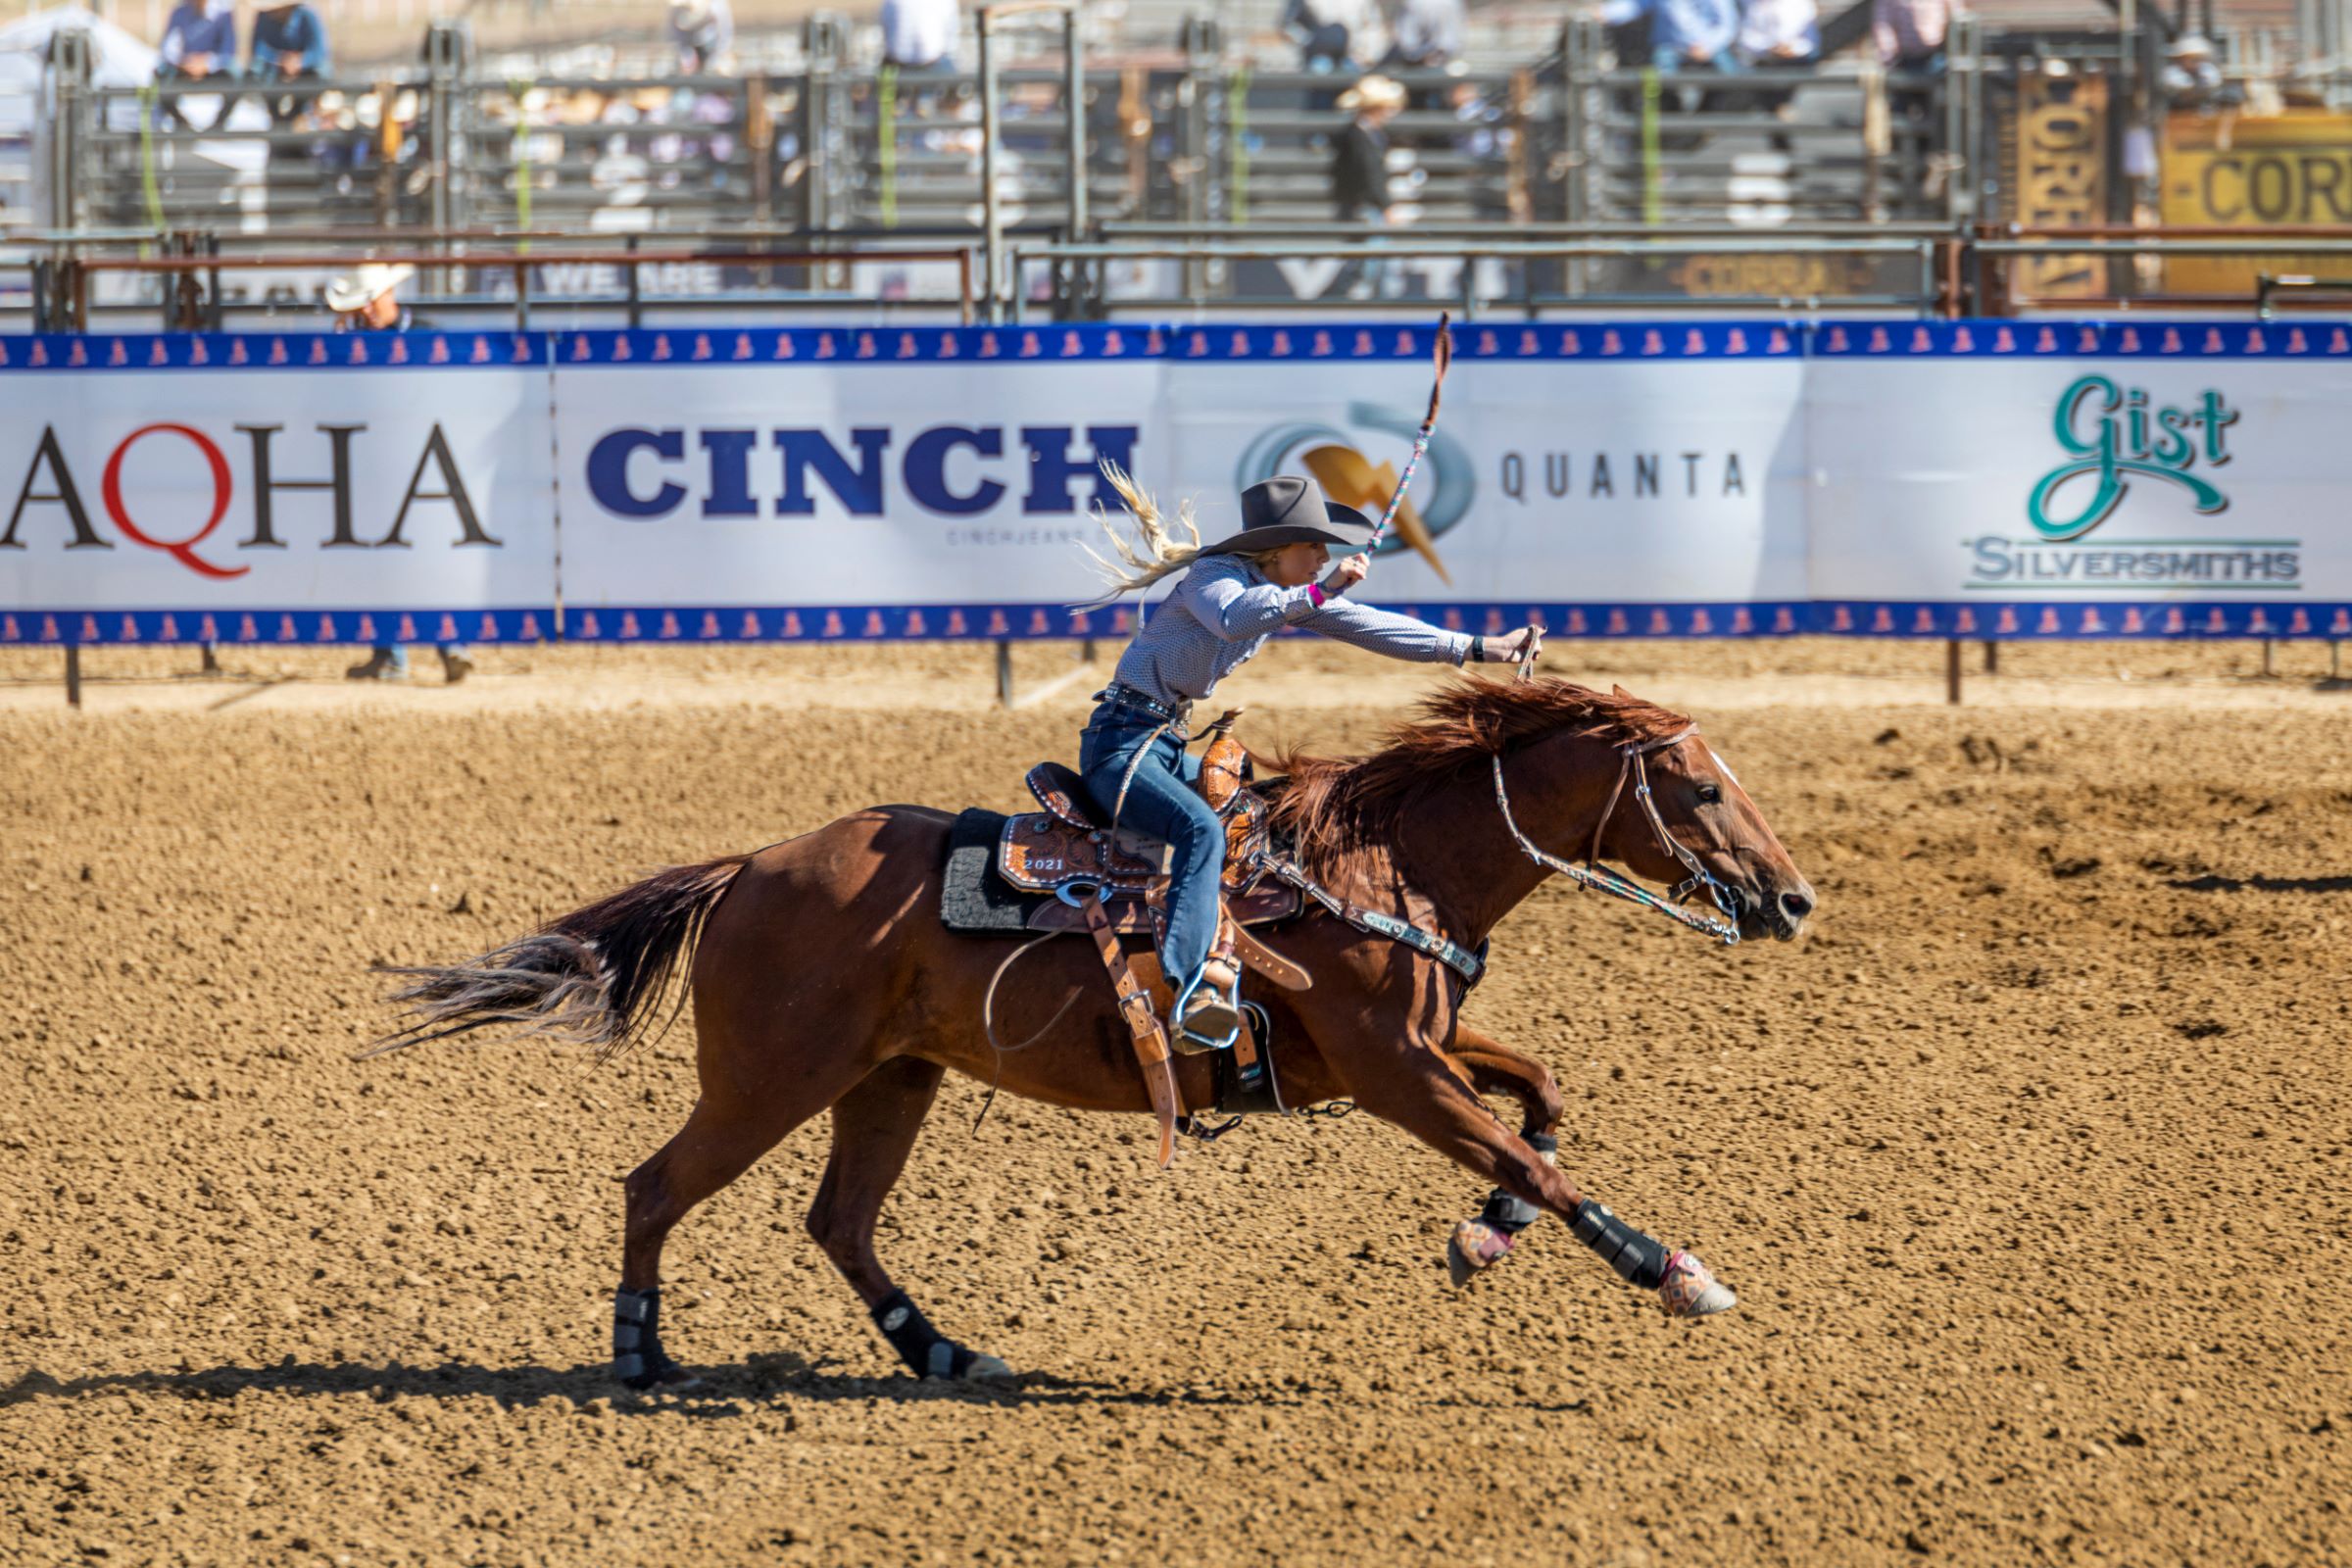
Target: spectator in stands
[1910,33]
[288,44]
[368,301]
[1684,34]
[2192,79]
[919,34]
[703,31]
[199,45]
[289,41]
[1425,35]
[200,41]
[1777,35]
[1330,33]
[1780,34]
[1359,160]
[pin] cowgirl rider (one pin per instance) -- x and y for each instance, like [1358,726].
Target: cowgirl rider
[1234,595]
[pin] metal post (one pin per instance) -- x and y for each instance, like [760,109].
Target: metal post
[636,289]
[992,217]
[2267,670]
[1952,671]
[443,159]
[1074,90]
[72,675]
[1993,658]
[1003,657]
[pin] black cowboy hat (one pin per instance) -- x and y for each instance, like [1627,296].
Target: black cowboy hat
[1289,510]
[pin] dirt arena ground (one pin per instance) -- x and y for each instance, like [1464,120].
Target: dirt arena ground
[2030,1162]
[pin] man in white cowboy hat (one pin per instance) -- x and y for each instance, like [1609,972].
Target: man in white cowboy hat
[368,300]
[2192,77]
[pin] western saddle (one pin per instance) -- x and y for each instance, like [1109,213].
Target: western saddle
[1112,880]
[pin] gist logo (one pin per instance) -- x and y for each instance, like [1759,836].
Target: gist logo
[2115,433]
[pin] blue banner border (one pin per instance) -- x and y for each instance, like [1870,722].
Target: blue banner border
[1358,342]
[2001,620]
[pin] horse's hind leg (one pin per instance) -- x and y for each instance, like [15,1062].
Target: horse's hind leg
[1495,1069]
[874,1127]
[723,1138]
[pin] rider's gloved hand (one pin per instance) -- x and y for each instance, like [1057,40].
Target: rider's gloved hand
[1509,650]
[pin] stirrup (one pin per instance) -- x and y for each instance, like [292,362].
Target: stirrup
[1220,1015]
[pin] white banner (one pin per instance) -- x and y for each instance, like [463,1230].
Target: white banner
[1950,479]
[2100,480]
[276,501]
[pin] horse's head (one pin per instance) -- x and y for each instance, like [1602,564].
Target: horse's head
[1701,806]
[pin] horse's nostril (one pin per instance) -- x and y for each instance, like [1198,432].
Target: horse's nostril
[1796,906]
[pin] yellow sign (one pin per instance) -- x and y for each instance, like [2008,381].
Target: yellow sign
[2231,171]
[2059,155]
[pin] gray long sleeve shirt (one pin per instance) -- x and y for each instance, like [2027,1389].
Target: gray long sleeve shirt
[1223,611]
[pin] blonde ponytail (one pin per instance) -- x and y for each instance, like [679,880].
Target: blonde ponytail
[1155,552]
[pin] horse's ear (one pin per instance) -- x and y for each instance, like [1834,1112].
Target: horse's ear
[1616,690]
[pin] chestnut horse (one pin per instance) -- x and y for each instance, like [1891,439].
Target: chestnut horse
[824,979]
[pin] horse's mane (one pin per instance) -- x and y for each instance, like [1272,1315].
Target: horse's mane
[1331,804]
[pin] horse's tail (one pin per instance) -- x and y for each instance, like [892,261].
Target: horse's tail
[594,977]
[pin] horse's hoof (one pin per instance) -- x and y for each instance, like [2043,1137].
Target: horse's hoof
[664,1381]
[663,1376]
[1691,1291]
[987,1369]
[1474,1245]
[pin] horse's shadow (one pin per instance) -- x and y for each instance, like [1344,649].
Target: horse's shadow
[759,1382]
[726,1389]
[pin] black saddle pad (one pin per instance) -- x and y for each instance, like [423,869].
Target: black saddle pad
[972,895]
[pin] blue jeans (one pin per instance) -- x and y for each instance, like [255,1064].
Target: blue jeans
[1161,800]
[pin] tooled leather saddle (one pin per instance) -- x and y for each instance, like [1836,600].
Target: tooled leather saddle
[1110,880]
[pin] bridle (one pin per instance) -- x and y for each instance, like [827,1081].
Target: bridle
[1592,875]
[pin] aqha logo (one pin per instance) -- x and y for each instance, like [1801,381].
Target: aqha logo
[169,487]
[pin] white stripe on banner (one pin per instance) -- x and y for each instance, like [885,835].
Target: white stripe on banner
[1968,479]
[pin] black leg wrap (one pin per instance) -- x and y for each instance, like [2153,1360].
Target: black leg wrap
[1638,1260]
[1511,1215]
[637,1358]
[925,1350]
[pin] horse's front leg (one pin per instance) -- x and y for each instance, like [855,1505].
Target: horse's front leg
[1495,1069]
[1416,1089]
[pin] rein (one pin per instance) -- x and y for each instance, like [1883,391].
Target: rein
[1590,875]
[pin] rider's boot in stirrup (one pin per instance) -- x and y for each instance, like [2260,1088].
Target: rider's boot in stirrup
[1206,1016]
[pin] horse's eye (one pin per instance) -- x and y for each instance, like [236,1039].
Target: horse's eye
[1709,794]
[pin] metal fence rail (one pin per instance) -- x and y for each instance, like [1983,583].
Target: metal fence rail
[1565,137]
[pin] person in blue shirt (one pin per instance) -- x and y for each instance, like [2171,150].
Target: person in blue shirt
[199,45]
[199,41]
[289,41]
[1684,34]
[1229,596]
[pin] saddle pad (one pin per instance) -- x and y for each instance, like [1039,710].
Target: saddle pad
[972,897]
[975,898]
